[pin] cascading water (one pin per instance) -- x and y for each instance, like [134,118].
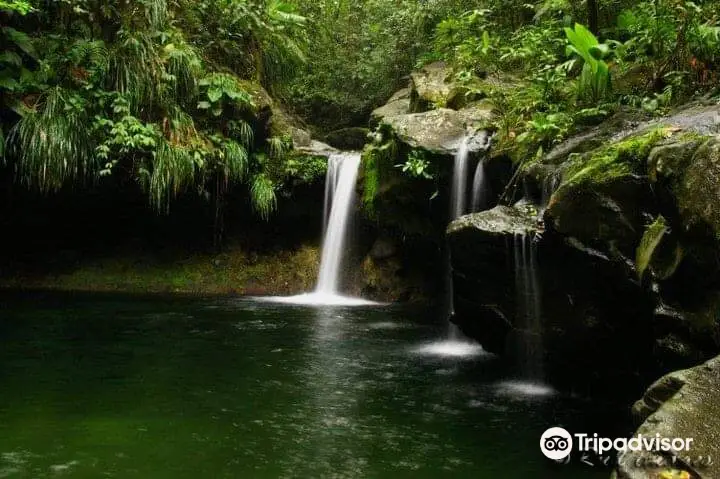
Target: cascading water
[331,183]
[479,189]
[528,317]
[458,195]
[339,201]
[342,174]
[458,200]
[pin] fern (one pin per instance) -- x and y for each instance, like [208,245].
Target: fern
[277,147]
[173,171]
[262,194]
[236,161]
[53,146]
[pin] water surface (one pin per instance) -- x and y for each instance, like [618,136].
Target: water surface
[108,386]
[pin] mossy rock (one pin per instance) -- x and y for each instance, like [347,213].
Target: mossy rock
[431,87]
[603,197]
[683,404]
[699,192]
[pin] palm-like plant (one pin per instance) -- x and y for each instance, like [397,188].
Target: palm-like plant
[595,76]
[52,144]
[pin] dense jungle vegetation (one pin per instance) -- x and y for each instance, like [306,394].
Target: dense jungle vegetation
[168,96]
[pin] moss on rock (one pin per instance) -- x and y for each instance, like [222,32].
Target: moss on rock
[699,191]
[627,157]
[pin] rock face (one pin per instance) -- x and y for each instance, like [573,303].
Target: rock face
[483,284]
[683,404]
[578,325]
[317,148]
[435,113]
[431,88]
[628,257]
[437,131]
[348,138]
[398,104]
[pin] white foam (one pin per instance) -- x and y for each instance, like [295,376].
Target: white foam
[524,389]
[318,299]
[452,349]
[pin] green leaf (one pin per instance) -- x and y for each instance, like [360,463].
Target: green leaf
[214,94]
[649,243]
[204,105]
[21,40]
[10,58]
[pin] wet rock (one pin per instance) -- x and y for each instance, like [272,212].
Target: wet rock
[589,305]
[481,243]
[683,404]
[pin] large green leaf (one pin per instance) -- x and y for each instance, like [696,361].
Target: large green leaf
[21,40]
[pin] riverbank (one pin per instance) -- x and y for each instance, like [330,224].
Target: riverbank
[235,271]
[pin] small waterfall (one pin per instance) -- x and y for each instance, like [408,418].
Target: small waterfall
[458,195]
[550,185]
[339,199]
[528,317]
[479,189]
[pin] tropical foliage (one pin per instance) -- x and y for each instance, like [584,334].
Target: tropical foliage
[173,96]
[142,92]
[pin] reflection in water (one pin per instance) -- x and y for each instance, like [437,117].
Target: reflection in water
[334,386]
[120,388]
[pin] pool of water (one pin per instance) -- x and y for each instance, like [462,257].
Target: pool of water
[111,386]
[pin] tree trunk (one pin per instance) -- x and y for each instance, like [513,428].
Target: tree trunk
[593,16]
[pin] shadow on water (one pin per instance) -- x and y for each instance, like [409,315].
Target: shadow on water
[175,388]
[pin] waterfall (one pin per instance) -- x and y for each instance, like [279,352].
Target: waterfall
[479,189]
[458,196]
[340,183]
[528,317]
[458,193]
[339,199]
[331,183]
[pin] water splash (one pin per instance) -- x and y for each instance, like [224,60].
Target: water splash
[452,349]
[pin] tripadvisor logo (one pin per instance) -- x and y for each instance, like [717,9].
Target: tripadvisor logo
[557,443]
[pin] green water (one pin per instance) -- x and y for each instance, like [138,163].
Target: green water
[99,386]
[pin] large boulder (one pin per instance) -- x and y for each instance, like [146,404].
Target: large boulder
[398,104]
[683,404]
[317,149]
[481,246]
[431,87]
[491,256]
[438,132]
[435,86]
